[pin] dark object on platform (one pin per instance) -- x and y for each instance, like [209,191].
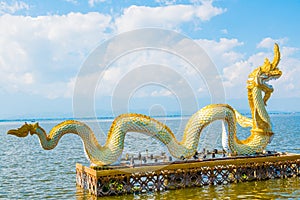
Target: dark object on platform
[144,159]
[196,156]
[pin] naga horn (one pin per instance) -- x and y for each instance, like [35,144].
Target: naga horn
[276,56]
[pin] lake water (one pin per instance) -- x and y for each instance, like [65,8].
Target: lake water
[29,172]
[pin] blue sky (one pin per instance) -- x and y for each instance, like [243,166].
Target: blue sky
[45,43]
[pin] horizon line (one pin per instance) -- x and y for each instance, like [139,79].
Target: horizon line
[36,119]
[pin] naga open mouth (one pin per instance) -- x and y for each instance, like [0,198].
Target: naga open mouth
[266,79]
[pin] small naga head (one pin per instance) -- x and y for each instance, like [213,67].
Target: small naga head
[262,74]
[24,130]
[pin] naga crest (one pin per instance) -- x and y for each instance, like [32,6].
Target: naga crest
[24,130]
[262,74]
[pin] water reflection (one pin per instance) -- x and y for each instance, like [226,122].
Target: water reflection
[269,189]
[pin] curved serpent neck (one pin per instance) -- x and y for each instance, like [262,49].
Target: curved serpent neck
[257,84]
[50,141]
[260,116]
[261,133]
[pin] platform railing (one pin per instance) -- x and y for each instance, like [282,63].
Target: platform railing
[118,180]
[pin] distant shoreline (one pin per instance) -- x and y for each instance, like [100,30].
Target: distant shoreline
[110,118]
[76,118]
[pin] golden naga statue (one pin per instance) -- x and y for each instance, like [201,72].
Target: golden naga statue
[261,133]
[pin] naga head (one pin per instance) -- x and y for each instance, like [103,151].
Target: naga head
[24,130]
[262,74]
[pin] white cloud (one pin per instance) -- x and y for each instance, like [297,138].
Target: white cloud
[236,74]
[235,67]
[288,84]
[28,78]
[160,93]
[93,2]
[12,7]
[269,42]
[224,31]
[206,11]
[170,16]
[235,77]
[129,65]
[75,2]
[166,2]
[50,49]
[43,53]
[289,51]
[222,52]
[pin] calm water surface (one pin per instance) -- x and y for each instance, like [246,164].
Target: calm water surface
[29,172]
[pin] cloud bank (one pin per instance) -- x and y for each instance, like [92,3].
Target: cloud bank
[42,55]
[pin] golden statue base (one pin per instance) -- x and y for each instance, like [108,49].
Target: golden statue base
[119,180]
